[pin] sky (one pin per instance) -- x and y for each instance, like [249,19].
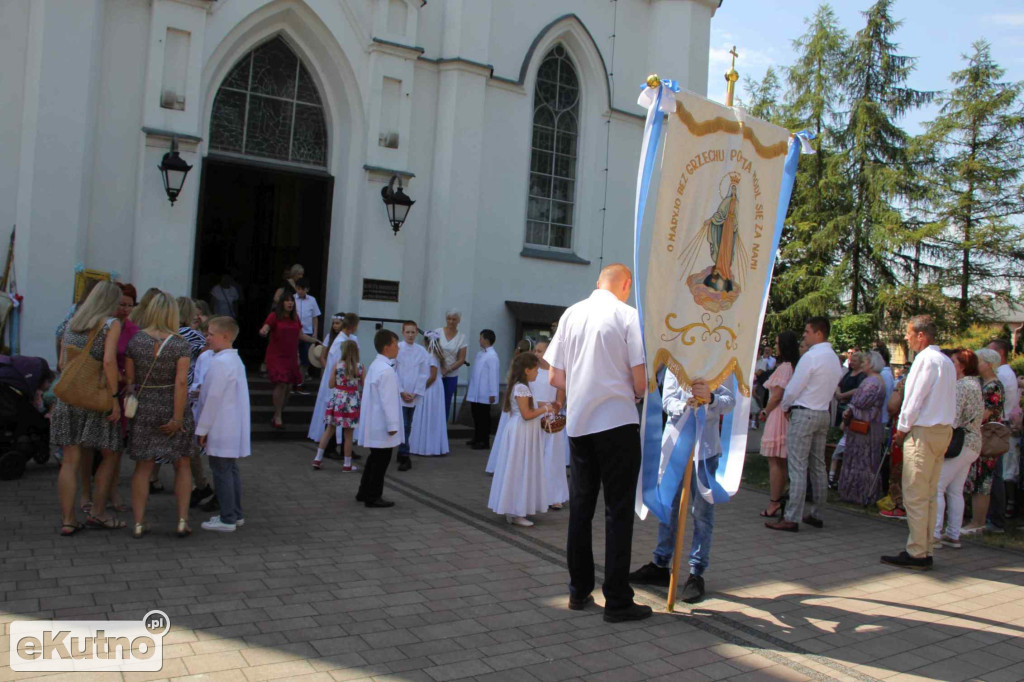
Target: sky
[937,32]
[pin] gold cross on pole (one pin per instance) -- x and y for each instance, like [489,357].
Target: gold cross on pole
[731,76]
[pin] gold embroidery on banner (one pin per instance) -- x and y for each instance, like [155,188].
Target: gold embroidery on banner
[664,357]
[713,333]
[724,125]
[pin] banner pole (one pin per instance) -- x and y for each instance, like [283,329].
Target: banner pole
[684,507]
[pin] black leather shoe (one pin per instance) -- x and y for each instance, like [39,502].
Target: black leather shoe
[693,590]
[212,504]
[380,503]
[580,604]
[651,574]
[904,560]
[404,465]
[632,612]
[811,521]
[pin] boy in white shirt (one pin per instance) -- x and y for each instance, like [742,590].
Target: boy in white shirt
[308,312]
[380,419]
[413,367]
[483,390]
[223,424]
[202,493]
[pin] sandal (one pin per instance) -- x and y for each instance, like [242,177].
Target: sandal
[86,507]
[119,507]
[778,508]
[183,530]
[104,524]
[139,530]
[69,529]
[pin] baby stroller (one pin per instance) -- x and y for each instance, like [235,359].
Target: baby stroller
[24,431]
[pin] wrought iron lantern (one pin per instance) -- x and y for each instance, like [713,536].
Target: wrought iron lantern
[396,202]
[174,170]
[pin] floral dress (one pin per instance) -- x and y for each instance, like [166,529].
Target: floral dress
[156,375]
[857,481]
[983,471]
[70,425]
[343,406]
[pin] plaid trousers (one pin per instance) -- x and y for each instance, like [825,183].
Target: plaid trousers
[805,447]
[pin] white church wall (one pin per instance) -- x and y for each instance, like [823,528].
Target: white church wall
[14,39]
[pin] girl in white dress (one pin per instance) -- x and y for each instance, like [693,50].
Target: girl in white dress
[429,433]
[518,488]
[556,445]
[524,346]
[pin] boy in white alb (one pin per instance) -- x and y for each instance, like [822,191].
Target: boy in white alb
[380,419]
[483,390]
[223,424]
[308,312]
[413,367]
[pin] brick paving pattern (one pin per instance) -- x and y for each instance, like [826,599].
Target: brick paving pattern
[317,587]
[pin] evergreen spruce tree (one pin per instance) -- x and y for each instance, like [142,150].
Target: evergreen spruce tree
[874,158]
[805,283]
[764,97]
[976,155]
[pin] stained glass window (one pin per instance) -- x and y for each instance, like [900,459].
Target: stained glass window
[268,106]
[556,105]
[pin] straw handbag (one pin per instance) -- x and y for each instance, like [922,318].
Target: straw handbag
[82,382]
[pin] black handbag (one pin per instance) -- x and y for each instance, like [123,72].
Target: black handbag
[956,443]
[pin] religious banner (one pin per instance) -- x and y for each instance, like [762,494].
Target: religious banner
[725,182]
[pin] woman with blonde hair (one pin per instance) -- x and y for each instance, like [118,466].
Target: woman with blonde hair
[162,429]
[139,311]
[94,325]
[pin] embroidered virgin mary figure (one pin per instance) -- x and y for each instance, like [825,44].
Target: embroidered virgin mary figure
[715,288]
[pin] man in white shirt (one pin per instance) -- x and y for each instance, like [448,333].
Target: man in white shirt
[380,419]
[924,427]
[413,368]
[483,390]
[597,356]
[308,312]
[1004,486]
[806,402]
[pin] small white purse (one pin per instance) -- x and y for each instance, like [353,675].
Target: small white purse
[131,401]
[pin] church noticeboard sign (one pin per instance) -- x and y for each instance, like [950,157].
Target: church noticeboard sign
[380,290]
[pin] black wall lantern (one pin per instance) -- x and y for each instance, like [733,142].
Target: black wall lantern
[396,203]
[174,169]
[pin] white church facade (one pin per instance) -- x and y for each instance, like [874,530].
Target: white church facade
[513,125]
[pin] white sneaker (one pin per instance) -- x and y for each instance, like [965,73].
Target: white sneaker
[238,524]
[518,521]
[216,524]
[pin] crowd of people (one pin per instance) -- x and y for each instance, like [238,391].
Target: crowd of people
[167,387]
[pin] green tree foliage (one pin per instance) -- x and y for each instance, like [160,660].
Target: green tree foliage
[974,156]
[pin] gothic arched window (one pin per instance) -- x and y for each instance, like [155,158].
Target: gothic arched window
[268,106]
[556,105]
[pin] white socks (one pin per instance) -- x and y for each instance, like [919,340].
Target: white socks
[319,455]
[348,461]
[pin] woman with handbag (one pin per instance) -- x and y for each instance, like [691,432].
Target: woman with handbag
[963,449]
[161,427]
[87,413]
[983,471]
[865,435]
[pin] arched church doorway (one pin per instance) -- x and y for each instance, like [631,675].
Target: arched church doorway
[265,197]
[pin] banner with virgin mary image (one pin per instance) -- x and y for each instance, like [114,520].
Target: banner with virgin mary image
[725,182]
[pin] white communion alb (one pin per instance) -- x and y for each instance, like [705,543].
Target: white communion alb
[556,445]
[380,410]
[323,395]
[519,484]
[483,381]
[413,367]
[224,415]
[429,432]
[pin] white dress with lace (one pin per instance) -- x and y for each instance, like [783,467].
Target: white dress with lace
[428,434]
[556,445]
[519,485]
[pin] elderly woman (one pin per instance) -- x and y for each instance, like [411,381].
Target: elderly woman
[983,471]
[162,430]
[453,346]
[844,393]
[865,433]
[95,330]
[969,411]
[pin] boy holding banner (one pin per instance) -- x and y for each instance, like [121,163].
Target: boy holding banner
[676,403]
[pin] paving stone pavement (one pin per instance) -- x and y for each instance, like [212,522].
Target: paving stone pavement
[317,587]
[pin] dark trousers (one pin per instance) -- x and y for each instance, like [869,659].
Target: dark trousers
[481,423]
[371,485]
[407,414]
[229,487]
[612,459]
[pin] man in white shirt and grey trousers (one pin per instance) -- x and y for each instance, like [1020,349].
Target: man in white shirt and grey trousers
[597,356]
[925,427]
[806,403]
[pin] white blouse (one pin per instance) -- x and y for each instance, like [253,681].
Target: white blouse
[451,348]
